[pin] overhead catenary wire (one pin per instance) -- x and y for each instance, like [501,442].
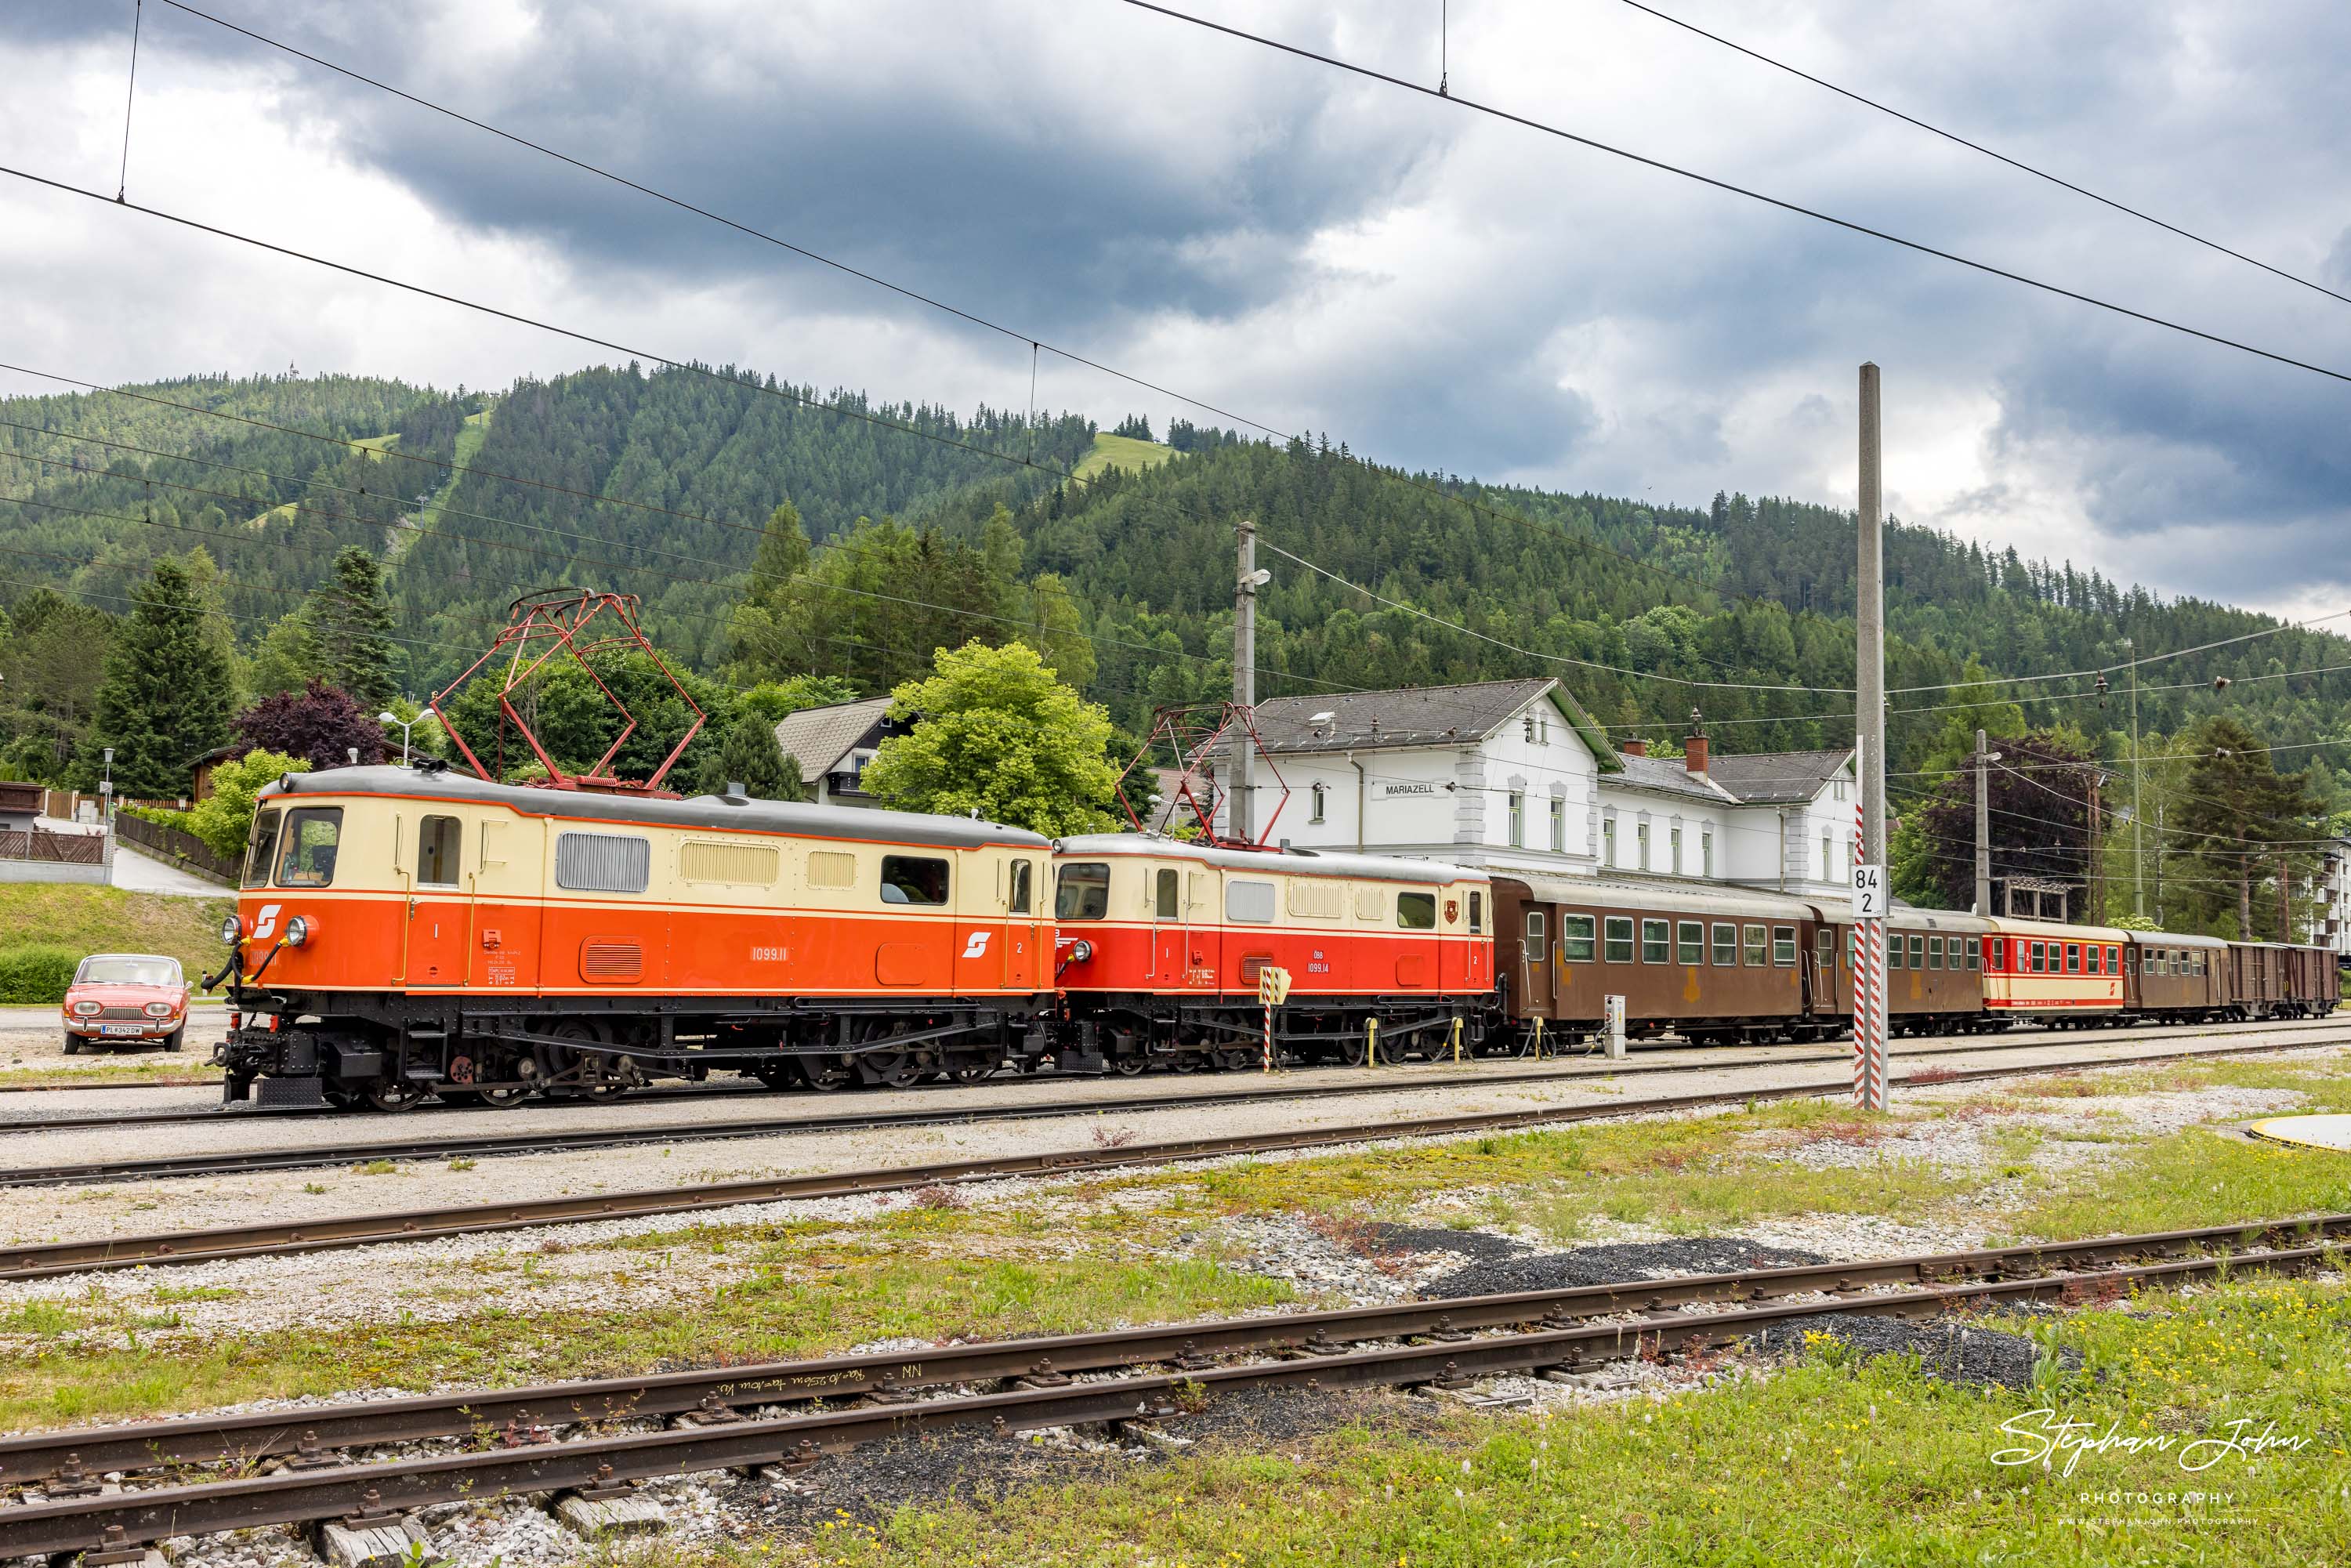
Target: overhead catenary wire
[1971,146]
[1815,214]
[129,97]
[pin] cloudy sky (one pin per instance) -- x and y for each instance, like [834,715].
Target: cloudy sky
[1311,251]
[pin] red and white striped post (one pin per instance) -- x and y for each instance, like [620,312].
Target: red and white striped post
[1869,998]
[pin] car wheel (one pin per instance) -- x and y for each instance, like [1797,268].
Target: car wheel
[176,1038]
[73,1043]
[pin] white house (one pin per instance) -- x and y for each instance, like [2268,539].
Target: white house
[1518,775]
[834,743]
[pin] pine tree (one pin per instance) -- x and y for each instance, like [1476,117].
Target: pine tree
[166,695]
[747,754]
[350,623]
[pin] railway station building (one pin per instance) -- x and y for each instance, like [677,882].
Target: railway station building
[1517,775]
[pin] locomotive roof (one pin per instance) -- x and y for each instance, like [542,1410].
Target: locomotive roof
[796,817]
[1293,862]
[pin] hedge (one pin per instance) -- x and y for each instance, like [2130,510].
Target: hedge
[35,973]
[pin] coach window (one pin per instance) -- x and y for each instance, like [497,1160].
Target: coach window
[1653,941]
[2073,957]
[1975,953]
[1575,938]
[1416,910]
[1934,952]
[1535,934]
[1757,938]
[1619,939]
[1783,945]
[1726,944]
[436,852]
[1689,942]
[307,856]
[914,879]
[1081,891]
[1993,949]
[1476,912]
[1895,947]
[1165,893]
[1251,902]
[264,851]
[2041,957]
[1918,952]
[2130,960]
[1024,890]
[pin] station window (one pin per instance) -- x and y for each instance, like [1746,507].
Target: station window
[1081,891]
[1517,819]
[1674,851]
[2073,957]
[604,863]
[1934,952]
[1641,839]
[1783,945]
[264,851]
[1558,826]
[305,857]
[1706,851]
[1757,940]
[914,879]
[1320,794]
[1689,942]
[1416,910]
[1165,894]
[1726,944]
[1653,941]
[1575,938]
[1608,841]
[1619,932]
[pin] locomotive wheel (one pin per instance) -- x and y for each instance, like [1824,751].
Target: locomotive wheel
[825,1074]
[1130,1065]
[1188,1061]
[972,1071]
[896,1069]
[395,1096]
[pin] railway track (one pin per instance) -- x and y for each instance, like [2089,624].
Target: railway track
[285,1238]
[953,1111]
[510,1434]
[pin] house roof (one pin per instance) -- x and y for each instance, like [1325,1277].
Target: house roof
[1777,778]
[820,737]
[1417,715]
[1668,776]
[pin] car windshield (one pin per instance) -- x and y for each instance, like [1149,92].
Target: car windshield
[129,971]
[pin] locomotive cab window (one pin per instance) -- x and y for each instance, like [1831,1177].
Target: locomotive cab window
[436,852]
[1620,939]
[914,879]
[1023,893]
[263,850]
[1653,941]
[1757,940]
[306,856]
[1783,945]
[1081,891]
[1689,943]
[1575,938]
[1416,910]
[1163,893]
[603,862]
[1726,944]
[1252,903]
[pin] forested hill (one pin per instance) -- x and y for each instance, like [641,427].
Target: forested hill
[659,483]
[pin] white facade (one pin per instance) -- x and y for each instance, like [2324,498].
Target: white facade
[2331,925]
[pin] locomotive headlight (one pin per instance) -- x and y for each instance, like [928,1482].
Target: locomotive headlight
[298,931]
[231,929]
[1081,950]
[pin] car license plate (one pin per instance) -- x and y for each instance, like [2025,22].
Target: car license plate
[123,1029]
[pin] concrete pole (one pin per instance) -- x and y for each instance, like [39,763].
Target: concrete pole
[1983,825]
[1242,795]
[2138,814]
[1869,735]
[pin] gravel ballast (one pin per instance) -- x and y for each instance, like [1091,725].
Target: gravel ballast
[1955,1352]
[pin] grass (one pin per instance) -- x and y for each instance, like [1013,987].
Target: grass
[1121,452]
[144,1071]
[1828,1462]
[470,436]
[114,920]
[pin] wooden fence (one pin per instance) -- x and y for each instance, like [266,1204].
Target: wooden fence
[59,848]
[184,849]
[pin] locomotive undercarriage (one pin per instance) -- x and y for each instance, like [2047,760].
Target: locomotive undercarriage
[1134,1033]
[394,1051]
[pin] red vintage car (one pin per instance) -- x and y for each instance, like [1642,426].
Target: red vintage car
[122,999]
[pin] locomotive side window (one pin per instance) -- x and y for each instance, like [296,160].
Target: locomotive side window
[1416,910]
[1653,941]
[1620,939]
[1783,945]
[831,868]
[263,850]
[307,853]
[1726,944]
[1081,892]
[1024,887]
[1689,943]
[1163,893]
[1253,902]
[914,879]
[1575,938]
[603,862]
[436,852]
[1756,938]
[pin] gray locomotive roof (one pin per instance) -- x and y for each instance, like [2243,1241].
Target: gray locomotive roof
[698,811]
[1702,899]
[1296,862]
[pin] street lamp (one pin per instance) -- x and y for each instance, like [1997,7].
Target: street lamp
[106,791]
[405,724]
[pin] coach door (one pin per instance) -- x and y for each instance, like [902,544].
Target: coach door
[440,908]
[1024,933]
[1535,960]
[1823,997]
[1168,952]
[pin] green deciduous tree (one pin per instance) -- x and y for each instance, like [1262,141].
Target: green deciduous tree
[224,817]
[996,733]
[167,691]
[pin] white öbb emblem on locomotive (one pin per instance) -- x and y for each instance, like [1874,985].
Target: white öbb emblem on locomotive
[267,923]
[976,947]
